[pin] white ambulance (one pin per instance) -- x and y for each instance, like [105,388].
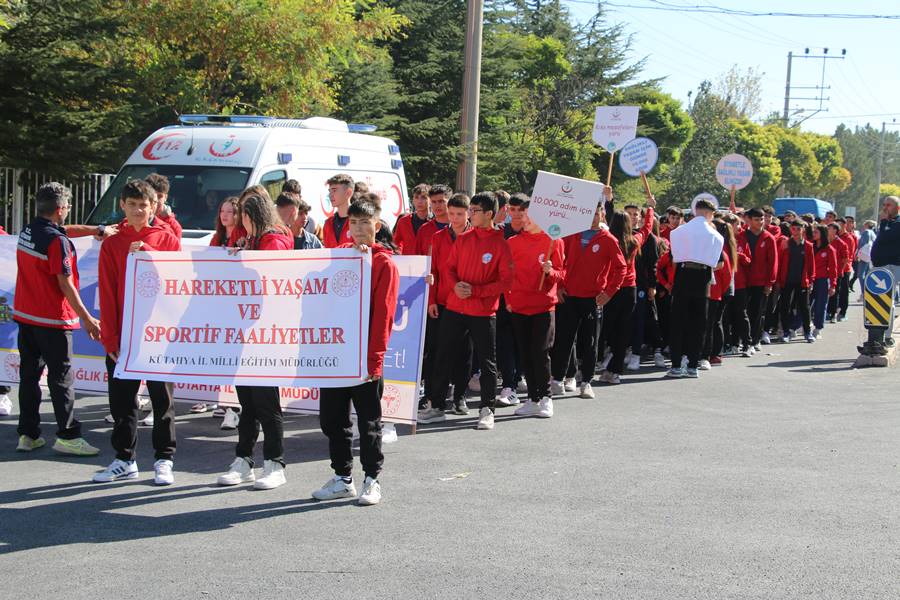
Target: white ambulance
[210,157]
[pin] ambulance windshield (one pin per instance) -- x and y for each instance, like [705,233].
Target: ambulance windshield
[195,192]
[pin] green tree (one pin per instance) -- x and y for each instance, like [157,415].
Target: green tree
[760,145]
[860,148]
[800,169]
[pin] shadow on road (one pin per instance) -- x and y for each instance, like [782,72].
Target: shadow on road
[810,366]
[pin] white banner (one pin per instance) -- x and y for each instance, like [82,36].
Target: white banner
[563,205]
[255,318]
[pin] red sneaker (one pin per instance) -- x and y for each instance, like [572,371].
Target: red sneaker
[715,360]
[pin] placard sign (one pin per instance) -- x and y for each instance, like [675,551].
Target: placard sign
[615,126]
[638,157]
[563,205]
[704,196]
[734,171]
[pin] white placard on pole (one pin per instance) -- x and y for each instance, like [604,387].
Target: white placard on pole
[638,157]
[704,196]
[615,126]
[563,205]
[734,171]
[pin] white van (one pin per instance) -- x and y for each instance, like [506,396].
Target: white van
[210,157]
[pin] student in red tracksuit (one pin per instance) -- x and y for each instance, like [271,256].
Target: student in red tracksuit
[531,300]
[674,218]
[479,269]
[594,270]
[137,234]
[723,276]
[826,272]
[408,225]
[334,405]
[340,192]
[438,293]
[160,184]
[260,405]
[760,275]
[796,274]
[842,250]
[438,196]
[843,294]
[619,313]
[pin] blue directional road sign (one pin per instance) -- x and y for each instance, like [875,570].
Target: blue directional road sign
[879,298]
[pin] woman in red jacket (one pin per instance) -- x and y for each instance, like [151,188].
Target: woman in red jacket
[826,274]
[228,228]
[260,404]
[796,273]
[618,314]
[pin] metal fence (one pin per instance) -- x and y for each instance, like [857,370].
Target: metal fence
[18,187]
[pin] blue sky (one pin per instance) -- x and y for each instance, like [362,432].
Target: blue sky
[686,48]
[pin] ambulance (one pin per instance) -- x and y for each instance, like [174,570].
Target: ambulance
[208,158]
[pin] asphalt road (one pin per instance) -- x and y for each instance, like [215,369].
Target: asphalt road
[770,477]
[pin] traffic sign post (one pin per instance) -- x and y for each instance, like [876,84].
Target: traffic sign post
[878,309]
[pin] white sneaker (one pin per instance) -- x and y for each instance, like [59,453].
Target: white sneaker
[605,362]
[231,419]
[430,415]
[507,397]
[388,433]
[586,392]
[144,404]
[163,472]
[610,377]
[240,471]
[522,387]
[545,408]
[335,488]
[684,362]
[27,444]
[633,363]
[118,470]
[371,492]
[557,388]
[659,361]
[529,408]
[109,418]
[747,352]
[485,419]
[704,365]
[5,405]
[147,421]
[272,476]
[218,412]
[569,384]
[757,348]
[475,382]
[764,338]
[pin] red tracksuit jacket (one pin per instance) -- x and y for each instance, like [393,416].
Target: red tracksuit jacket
[808,274]
[172,222]
[271,240]
[843,254]
[827,265]
[423,238]
[665,271]
[852,244]
[721,279]
[529,251]
[763,268]
[481,258]
[405,235]
[441,244]
[113,256]
[330,239]
[598,267]
[639,237]
[383,305]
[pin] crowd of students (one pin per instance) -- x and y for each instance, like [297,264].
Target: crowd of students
[508,308]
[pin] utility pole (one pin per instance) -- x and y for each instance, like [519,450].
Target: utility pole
[876,210]
[818,88]
[787,90]
[465,175]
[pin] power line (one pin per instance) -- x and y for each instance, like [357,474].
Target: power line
[666,7]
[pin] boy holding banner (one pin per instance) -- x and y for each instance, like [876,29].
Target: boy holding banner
[531,301]
[136,234]
[334,406]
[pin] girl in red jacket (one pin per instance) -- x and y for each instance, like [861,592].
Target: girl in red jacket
[796,273]
[826,276]
[531,301]
[618,314]
[334,405]
[718,295]
[260,404]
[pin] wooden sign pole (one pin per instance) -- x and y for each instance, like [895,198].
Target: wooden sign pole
[733,207]
[646,185]
[546,257]
[612,159]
